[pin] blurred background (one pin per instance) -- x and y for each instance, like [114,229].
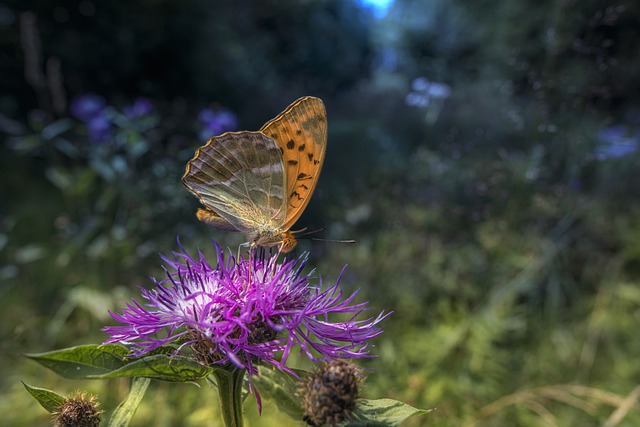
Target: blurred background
[483,154]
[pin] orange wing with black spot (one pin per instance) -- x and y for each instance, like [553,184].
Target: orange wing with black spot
[301,133]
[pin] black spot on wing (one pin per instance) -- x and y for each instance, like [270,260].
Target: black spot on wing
[290,144]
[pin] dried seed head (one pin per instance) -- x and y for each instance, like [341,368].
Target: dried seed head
[330,394]
[78,411]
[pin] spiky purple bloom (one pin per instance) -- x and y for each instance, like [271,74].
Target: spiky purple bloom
[241,311]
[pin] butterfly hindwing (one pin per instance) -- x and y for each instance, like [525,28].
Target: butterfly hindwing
[239,178]
[211,218]
[301,133]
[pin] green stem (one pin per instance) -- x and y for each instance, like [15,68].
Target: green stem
[230,393]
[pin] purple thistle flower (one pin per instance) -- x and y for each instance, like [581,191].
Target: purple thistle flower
[140,107]
[87,107]
[243,311]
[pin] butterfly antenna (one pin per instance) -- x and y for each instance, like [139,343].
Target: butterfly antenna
[332,240]
[306,233]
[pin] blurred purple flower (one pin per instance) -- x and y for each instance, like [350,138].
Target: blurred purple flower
[140,107]
[420,84]
[90,109]
[216,122]
[243,311]
[612,134]
[415,99]
[424,93]
[99,129]
[616,142]
[439,90]
[87,107]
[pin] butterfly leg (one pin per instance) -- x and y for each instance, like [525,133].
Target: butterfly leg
[239,248]
[251,248]
[275,260]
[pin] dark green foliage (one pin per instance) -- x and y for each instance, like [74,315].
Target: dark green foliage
[508,250]
[196,49]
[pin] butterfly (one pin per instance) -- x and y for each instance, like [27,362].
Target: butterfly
[259,183]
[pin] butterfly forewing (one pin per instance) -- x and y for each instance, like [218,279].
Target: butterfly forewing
[239,176]
[301,133]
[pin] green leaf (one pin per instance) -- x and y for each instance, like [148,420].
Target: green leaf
[382,412]
[59,176]
[112,361]
[137,147]
[26,144]
[85,361]
[56,128]
[282,388]
[83,182]
[162,367]
[66,147]
[103,168]
[127,408]
[30,253]
[48,399]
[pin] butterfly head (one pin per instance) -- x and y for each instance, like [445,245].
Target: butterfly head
[288,242]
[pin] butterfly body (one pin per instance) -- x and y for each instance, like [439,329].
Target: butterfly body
[258,183]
